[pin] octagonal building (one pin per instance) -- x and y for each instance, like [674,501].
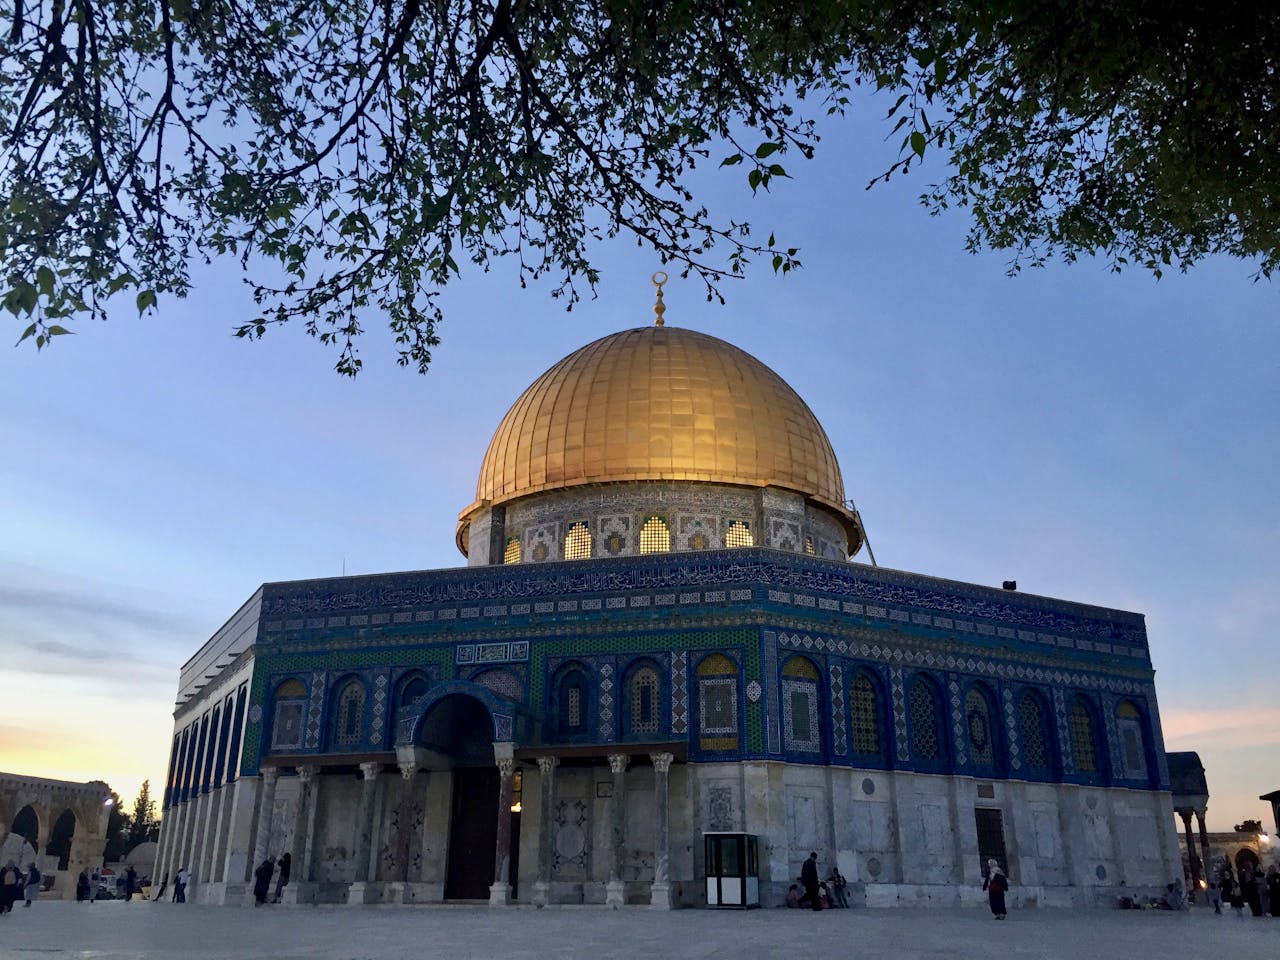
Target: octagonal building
[661,634]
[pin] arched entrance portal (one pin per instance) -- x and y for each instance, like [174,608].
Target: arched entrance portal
[459,727]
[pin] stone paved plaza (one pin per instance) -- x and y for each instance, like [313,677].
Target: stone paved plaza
[116,931]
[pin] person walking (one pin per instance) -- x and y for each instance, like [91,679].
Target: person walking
[809,879]
[82,887]
[164,884]
[286,866]
[95,878]
[996,884]
[33,883]
[838,885]
[130,883]
[262,881]
[180,886]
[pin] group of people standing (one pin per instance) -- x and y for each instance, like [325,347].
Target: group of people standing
[15,885]
[1259,891]
[262,878]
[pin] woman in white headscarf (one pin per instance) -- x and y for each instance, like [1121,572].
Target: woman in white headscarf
[996,884]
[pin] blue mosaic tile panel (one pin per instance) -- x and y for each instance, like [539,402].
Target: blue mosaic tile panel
[899,714]
[679,692]
[839,742]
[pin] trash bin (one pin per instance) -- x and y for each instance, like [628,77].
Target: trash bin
[732,869]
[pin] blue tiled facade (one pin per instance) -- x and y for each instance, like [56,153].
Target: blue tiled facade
[509,634]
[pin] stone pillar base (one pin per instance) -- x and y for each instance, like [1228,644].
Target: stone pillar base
[500,895]
[615,894]
[660,896]
[541,893]
[298,894]
[362,892]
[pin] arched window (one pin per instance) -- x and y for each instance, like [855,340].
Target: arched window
[1084,740]
[864,710]
[577,541]
[739,534]
[801,731]
[511,552]
[655,536]
[978,729]
[923,714]
[645,701]
[412,689]
[348,720]
[571,715]
[718,703]
[1133,749]
[808,544]
[1033,731]
[287,711]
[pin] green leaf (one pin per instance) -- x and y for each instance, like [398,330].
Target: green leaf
[44,280]
[30,331]
[146,299]
[730,161]
[58,331]
[917,142]
[754,178]
[767,149]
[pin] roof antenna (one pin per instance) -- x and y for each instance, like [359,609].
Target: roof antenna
[866,537]
[659,308]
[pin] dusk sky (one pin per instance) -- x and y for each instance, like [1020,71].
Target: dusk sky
[1107,439]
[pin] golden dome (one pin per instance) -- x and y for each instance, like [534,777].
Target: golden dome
[660,403]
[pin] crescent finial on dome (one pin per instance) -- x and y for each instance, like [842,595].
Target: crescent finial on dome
[659,308]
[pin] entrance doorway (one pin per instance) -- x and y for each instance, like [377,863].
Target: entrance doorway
[473,833]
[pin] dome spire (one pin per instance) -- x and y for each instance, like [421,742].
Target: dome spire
[659,308]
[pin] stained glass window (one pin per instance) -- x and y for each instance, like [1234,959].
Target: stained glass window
[1031,727]
[655,536]
[923,707]
[864,711]
[644,701]
[577,542]
[573,702]
[739,534]
[350,710]
[977,713]
[511,553]
[1082,745]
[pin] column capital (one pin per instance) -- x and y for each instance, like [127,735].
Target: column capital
[307,772]
[661,761]
[371,769]
[547,764]
[507,765]
[270,774]
[618,762]
[408,768]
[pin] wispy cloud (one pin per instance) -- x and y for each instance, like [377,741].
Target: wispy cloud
[88,610]
[1233,727]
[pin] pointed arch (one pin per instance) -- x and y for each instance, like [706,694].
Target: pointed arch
[717,677]
[866,715]
[1036,735]
[60,837]
[1131,728]
[924,723]
[346,713]
[981,729]
[571,706]
[1086,743]
[643,713]
[288,707]
[802,707]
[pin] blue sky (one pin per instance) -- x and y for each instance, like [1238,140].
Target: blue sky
[1100,438]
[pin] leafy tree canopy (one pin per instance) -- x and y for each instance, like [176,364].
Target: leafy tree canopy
[354,154]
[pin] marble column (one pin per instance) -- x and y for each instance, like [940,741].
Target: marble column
[266,811]
[1192,856]
[1205,860]
[500,892]
[660,891]
[546,839]
[361,891]
[615,891]
[298,889]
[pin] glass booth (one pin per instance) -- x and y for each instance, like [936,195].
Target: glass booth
[732,869]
